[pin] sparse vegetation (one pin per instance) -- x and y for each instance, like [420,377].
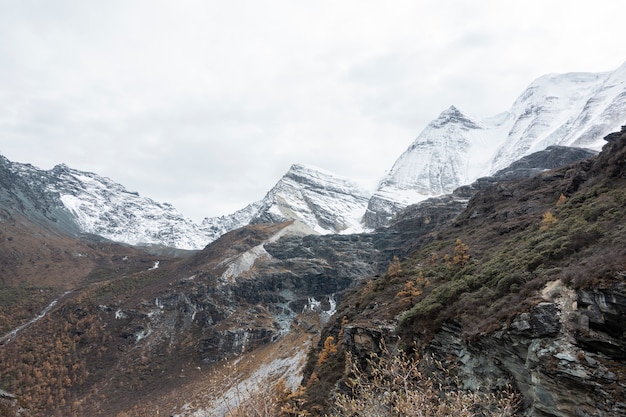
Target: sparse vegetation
[395,268]
[395,385]
[461,254]
[391,385]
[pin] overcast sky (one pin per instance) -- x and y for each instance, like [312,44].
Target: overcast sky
[206,104]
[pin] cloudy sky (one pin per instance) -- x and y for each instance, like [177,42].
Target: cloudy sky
[205,104]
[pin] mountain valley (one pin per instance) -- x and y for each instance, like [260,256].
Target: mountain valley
[502,266]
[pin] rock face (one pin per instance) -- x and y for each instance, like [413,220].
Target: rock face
[566,355]
[246,289]
[561,363]
[23,190]
[574,109]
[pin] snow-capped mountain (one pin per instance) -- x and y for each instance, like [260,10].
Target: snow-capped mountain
[89,203]
[83,202]
[452,150]
[573,109]
[320,200]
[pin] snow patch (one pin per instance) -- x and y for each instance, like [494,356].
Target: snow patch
[243,262]
[316,306]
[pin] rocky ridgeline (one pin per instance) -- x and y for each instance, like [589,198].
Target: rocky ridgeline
[235,300]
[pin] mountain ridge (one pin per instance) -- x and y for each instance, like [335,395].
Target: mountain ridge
[572,109]
[455,149]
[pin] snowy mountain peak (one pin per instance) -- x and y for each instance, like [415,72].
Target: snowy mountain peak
[105,208]
[573,109]
[76,202]
[453,115]
[449,152]
[318,200]
[321,200]
[318,177]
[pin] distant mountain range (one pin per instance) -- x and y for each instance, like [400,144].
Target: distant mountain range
[574,109]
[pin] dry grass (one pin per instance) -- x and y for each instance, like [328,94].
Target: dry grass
[395,386]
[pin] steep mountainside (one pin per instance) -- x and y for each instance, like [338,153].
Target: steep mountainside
[525,288]
[436,211]
[574,109]
[81,202]
[158,337]
[23,190]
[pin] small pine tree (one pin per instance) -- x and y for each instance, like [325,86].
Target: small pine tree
[547,220]
[412,289]
[330,347]
[394,268]
[461,254]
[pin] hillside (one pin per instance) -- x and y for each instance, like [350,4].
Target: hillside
[523,289]
[139,333]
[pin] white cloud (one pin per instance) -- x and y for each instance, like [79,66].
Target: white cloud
[205,104]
